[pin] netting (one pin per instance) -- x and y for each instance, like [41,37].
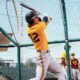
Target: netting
[54,30]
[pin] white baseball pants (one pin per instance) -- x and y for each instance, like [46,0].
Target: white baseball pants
[44,62]
[75,74]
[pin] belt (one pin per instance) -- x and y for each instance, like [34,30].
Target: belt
[43,51]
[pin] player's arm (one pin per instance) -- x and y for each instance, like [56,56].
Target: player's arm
[46,19]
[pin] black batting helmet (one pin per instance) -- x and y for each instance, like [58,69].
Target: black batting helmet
[72,54]
[29,16]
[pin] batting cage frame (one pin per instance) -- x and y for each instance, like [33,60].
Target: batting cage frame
[66,41]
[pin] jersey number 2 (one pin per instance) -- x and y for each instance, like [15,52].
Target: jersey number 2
[34,37]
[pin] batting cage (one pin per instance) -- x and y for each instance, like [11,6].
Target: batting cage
[16,49]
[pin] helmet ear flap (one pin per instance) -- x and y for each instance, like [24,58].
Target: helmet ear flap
[30,21]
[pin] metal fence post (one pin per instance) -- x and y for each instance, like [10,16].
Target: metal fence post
[18,64]
[66,38]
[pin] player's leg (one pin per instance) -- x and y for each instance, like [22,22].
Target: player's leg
[78,74]
[55,67]
[65,71]
[42,61]
[74,73]
[41,72]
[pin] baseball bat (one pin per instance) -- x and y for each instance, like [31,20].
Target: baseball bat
[30,8]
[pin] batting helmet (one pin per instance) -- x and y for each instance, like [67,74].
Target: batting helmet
[29,17]
[72,54]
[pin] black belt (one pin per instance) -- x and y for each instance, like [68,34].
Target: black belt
[43,51]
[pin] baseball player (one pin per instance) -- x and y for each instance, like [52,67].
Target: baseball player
[74,67]
[44,61]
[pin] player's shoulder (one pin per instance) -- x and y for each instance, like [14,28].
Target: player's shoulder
[75,59]
[42,22]
[63,54]
[27,28]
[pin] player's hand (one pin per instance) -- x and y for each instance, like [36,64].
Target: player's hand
[49,18]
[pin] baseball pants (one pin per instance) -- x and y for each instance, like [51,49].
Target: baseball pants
[75,74]
[78,74]
[45,62]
